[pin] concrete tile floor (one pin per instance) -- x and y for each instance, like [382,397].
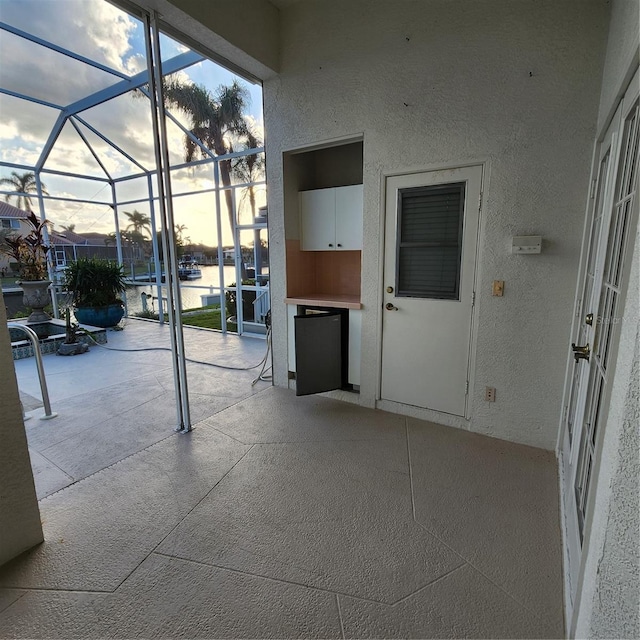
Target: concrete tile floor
[278,517]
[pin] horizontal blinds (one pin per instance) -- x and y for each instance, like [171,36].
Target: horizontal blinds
[430,241]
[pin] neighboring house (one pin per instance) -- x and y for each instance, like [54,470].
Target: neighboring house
[65,245]
[521,117]
[68,245]
[14,220]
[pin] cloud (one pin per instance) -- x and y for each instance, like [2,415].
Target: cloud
[101,32]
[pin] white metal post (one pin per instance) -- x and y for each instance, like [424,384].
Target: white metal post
[238,262]
[116,222]
[154,244]
[165,203]
[223,293]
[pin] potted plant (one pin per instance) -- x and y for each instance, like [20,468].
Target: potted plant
[30,254]
[96,287]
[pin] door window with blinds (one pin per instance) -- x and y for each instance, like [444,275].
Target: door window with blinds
[429,241]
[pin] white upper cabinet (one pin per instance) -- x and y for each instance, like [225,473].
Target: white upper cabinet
[331,219]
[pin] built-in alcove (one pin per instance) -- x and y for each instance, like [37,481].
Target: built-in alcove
[330,275]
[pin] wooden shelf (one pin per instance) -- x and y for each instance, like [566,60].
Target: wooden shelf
[332,300]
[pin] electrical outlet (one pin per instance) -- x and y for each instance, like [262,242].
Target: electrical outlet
[490,394]
[498,288]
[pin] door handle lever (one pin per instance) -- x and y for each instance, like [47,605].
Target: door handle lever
[581,353]
[389,307]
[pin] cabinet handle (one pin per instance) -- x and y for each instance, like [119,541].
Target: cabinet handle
[330,245]
[339,244]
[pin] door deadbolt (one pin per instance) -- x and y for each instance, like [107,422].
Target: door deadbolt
[589,319]
[581,353]
[389,289]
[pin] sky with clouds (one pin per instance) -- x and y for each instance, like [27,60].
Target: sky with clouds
[101,32]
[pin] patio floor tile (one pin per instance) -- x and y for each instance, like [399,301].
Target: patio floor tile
[506,516]
[462,604]
[333,515]
[98,530]
[169,598]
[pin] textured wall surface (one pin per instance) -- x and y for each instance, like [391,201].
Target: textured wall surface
[622,53]
[20,527]
[435,84]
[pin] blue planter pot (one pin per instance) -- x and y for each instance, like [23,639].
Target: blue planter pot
[100,316]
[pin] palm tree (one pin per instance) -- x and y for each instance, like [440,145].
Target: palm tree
[250,169]
[22,184]
[180,229]
[215,118]
[68,227]
[138,222]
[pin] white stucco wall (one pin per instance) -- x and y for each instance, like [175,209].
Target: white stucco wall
[20,527]
[450,82]
[622,55]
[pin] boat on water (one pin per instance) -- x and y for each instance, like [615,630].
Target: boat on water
[188,269]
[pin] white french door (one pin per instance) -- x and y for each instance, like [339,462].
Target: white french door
[599,309]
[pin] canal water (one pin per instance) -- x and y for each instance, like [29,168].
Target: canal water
[190,290]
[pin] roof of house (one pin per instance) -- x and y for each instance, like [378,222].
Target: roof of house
[9,211]
[67,238]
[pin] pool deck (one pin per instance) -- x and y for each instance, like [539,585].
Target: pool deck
[113,404]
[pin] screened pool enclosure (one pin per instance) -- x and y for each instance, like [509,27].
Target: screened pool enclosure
[126,134]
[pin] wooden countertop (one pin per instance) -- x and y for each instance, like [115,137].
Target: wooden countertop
[332,300]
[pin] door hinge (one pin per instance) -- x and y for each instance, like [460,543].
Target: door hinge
[473,298]
[594,182]
[466,388]
[565,410]
[480,201]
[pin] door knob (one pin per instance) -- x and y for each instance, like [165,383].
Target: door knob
[389,307]
[580,353]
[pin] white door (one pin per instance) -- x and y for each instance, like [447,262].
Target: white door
[596,332]
[429,266]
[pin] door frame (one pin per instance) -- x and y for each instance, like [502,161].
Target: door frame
[626,100]
[409,410]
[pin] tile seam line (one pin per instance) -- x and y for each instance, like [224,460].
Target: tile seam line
[340,616]
[22,595]
[269,578]
[55,590]
[111,466]
[55,465]
[486,577]
[135,453]
[93,426]
[186,515]
[411,488]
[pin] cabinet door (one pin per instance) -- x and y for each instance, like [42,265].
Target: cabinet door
[349,218]
[319,365]
[317,220]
